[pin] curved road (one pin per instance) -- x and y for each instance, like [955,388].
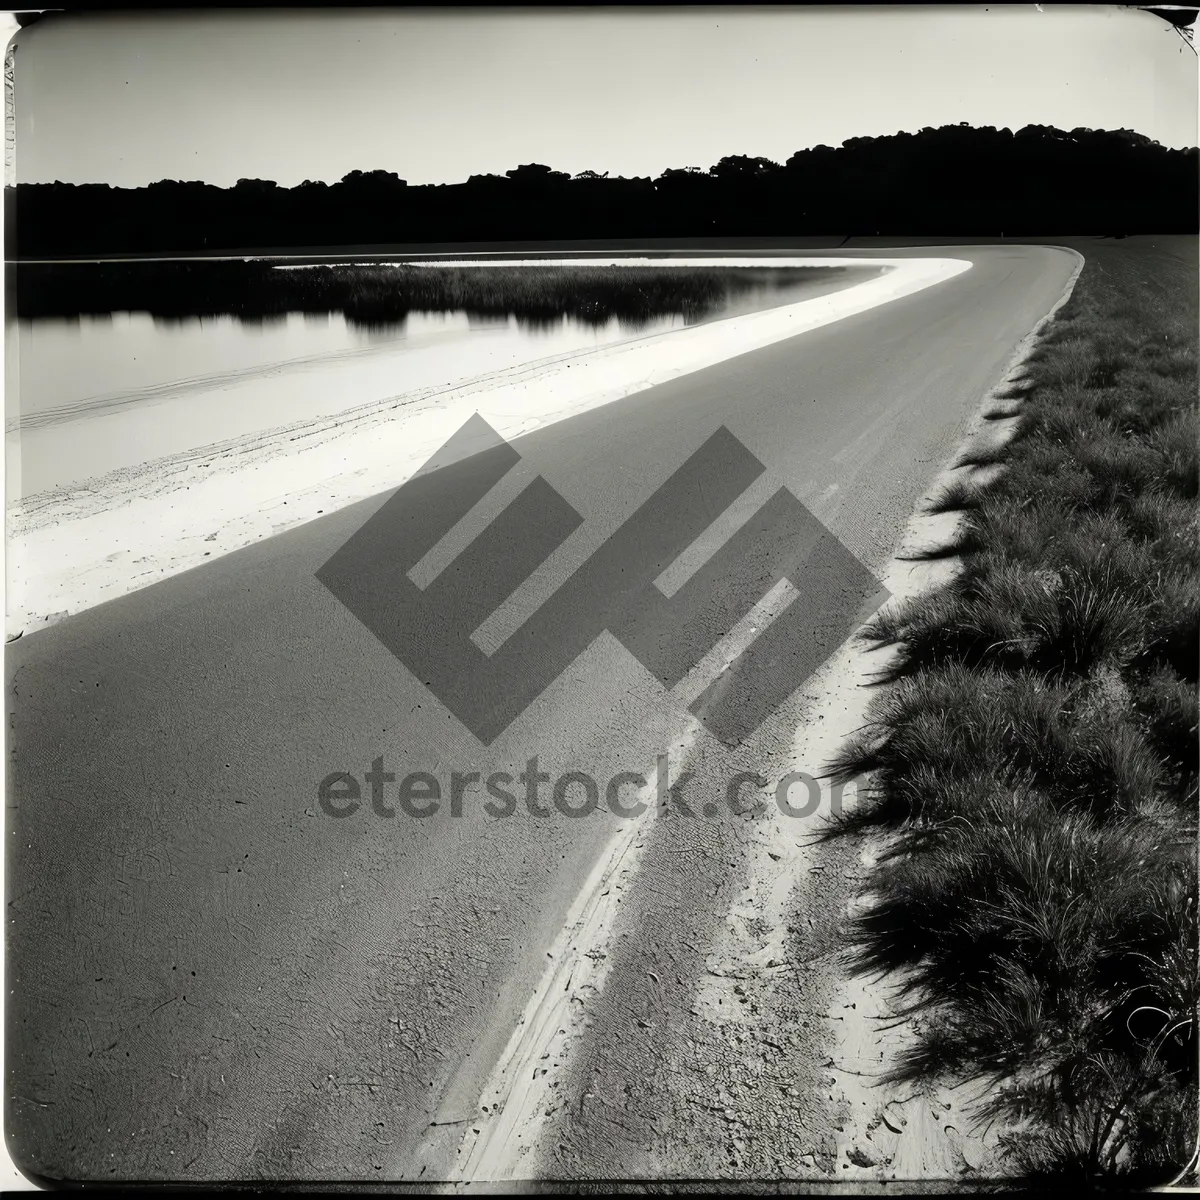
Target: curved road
[211,978]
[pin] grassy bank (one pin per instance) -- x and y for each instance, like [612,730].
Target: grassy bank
[381,295]
[1034,750]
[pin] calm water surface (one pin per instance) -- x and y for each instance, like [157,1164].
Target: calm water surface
[95,394]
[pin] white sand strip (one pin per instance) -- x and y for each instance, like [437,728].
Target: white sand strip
[501,1144]
[72,549]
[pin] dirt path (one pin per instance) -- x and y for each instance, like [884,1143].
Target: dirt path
[732,1042]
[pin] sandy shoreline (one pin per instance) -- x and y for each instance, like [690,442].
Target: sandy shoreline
[74,548]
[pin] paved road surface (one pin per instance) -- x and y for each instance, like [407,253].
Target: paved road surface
[210,977]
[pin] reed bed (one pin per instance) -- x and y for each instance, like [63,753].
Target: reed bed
[375,295]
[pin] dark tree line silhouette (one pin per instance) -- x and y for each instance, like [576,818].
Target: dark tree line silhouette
[952,181]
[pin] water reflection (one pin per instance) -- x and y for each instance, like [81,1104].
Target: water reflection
[478,320]
[102,392]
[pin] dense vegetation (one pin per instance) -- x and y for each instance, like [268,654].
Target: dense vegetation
[1035,755]
[952,181]
[381,295]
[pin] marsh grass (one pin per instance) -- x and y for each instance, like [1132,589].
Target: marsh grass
[1034,761]
[982,456]
[593,294]
[1002,412]
[384,295]
[956,496]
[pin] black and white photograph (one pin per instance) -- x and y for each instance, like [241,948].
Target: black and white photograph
[602,598]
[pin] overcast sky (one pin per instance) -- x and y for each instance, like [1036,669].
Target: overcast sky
[440,95]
